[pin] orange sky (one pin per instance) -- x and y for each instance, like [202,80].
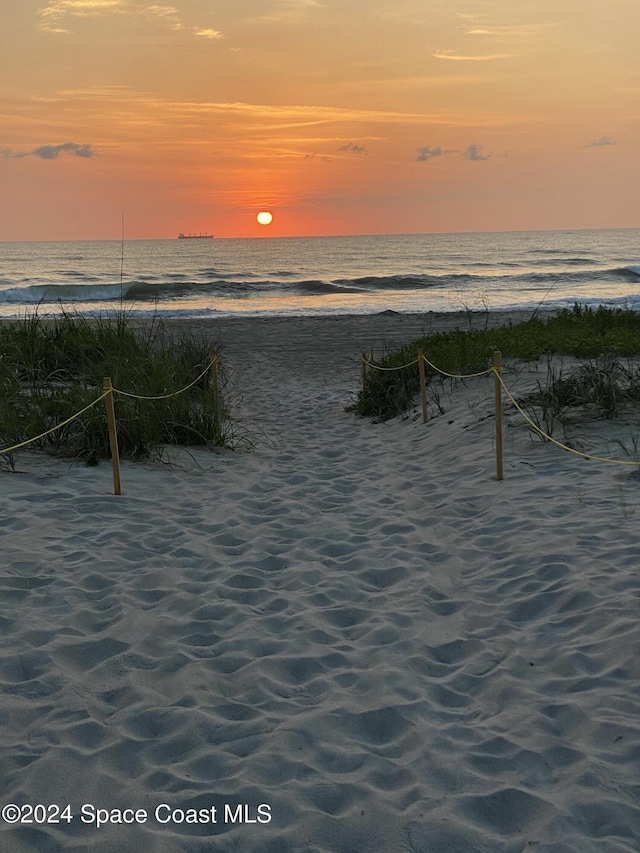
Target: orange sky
[351,117]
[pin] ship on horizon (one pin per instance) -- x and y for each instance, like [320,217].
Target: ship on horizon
[183,236]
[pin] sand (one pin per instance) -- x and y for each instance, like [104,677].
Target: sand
[350,639]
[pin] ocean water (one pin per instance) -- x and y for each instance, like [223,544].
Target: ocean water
[322,275]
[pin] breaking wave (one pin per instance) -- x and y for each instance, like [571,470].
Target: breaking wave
[213,285]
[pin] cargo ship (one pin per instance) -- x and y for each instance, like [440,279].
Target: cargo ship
[182,236]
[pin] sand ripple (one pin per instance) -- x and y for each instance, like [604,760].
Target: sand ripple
[355,624]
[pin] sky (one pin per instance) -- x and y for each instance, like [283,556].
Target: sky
[350,117]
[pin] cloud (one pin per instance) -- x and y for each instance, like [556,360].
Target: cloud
[474,152]
[457,57]
[168,14]
[524,31]
[316,156]
[148,108]
[52,152]
[427,153]
[295,8]
[353,148]
[208,34]
[471,152]
[301,5]
[56,15]
[52,15]
[601,143]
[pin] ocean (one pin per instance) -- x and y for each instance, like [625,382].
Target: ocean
[320,276]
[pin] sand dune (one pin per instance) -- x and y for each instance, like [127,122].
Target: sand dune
[354,631]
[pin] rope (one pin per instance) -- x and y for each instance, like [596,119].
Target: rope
[524,414]
[459,375]
[167,396]
[377,367]
[541,432]
[101,397]
[437,369]
[53,429]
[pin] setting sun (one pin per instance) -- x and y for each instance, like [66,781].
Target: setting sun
[265,217]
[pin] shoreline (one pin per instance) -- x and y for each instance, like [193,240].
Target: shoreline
[306,342]
[348,336]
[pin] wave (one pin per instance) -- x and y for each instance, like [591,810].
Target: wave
[34,294]
[554,260]
[318,288]
[148,288]
[152,290]
[225,288]
[400,282]
[577,276]
[418,282]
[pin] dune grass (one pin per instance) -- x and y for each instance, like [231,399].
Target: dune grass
[52,368]
[582,332]
[601,388]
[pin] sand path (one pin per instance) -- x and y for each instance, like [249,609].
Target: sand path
[354,624]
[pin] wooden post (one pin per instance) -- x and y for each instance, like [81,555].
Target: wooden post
[364,370]
[217,418]
[423,385]
[497,372]
[113,435]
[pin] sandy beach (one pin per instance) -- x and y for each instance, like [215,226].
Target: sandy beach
[342,637]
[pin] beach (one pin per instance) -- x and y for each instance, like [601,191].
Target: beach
[340,637]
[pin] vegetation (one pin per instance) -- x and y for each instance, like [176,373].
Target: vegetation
[602,388]
[581,332]
[52,368]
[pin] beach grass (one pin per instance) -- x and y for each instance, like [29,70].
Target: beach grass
[601,388]
[52,368]
[582,332]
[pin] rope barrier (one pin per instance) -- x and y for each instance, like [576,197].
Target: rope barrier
[101,397]
[167,396]
[497,373]
[110,391]
[437,369]
[459,375]
[56,427]
[377,367]
[550,438]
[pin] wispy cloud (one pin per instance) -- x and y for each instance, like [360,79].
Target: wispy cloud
[471,152]
[316,156]
[408,84]
[522,31]
[289,11]
[58,15]
[168,14]
[208,34]
[81,7]
[312,127]
[427,153]
[301,5]
[602,142]
[298,7]
[352,148]
[452,56]
[275,115]
[53,15]
[52,152]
